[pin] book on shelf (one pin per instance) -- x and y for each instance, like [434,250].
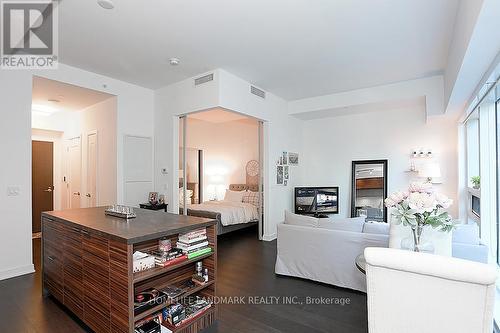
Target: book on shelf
[199,253]
[186,237]
[178,315]
[191,247]
[171,261]
[192,240]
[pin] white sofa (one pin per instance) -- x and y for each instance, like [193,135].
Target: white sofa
[319,252]
[325,250]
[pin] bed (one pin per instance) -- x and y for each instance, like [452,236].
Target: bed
[230,216]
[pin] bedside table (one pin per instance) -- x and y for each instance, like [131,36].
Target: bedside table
[153,207]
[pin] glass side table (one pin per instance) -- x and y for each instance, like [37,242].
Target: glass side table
[361,263]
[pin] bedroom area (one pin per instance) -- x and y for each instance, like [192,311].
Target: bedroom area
[220,175]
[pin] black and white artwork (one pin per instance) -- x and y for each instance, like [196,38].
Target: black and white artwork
[286,173]
[279,175]
[293,159]
[285,158]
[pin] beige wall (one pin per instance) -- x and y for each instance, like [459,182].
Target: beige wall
[227,147]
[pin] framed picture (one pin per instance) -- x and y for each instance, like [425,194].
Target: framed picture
[286,173]
[279,175]
[293,158]
[285,158]
[285,182]
[153,198]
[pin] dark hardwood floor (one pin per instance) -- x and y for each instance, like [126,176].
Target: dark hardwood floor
[246,269]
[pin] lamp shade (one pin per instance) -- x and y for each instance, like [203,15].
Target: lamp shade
[430,170]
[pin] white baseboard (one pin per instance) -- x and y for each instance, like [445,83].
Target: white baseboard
[18,271]
[269,238]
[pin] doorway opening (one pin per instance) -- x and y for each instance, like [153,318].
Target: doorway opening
[220,169]
[73,148]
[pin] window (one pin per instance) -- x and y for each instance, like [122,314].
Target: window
[482,139]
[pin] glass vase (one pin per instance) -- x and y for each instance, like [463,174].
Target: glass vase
[415,242]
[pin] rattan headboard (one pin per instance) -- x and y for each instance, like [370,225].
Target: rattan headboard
[244,187]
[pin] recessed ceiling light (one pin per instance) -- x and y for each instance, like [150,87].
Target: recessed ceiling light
[174,61]
[106,4]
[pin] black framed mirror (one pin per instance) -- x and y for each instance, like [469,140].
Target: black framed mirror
[369,189]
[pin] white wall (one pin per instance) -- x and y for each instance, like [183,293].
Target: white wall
[331,144]
[100,117]
[282,133]
[227,147]
[134,116]
[15,170]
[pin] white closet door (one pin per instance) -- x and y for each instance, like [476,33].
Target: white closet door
[75,172]
[91,195]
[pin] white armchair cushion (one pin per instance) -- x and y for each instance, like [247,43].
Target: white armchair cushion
[301,220]
[428,293]
[346,224]
[440,240]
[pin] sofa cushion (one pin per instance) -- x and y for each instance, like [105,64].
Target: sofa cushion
[302,220]
[376,228]
[346,224]
[467,234]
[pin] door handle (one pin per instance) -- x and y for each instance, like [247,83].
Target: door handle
[76,193]
[49,189]
[88,195]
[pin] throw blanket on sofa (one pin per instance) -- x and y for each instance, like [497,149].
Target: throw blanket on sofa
[231,212]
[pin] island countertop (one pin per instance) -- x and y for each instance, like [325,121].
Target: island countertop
[146,226]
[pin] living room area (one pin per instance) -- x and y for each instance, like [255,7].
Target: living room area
[371,173]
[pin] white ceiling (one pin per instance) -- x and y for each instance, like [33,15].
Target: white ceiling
[69,97]
[293,48]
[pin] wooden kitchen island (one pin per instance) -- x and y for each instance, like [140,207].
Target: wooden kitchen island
[88,266]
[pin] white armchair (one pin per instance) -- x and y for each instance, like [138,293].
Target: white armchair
[416,292]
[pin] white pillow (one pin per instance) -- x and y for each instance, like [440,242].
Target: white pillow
[376,228]
[302,220]
[346,224]
[234,196]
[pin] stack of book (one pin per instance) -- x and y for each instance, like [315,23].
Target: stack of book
[194,243]
[172,257]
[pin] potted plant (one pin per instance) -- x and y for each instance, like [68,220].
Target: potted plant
[420,207]
[476,182]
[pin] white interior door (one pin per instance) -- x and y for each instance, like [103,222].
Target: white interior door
[91,193]
[75,172]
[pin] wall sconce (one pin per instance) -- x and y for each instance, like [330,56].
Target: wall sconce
[421,153]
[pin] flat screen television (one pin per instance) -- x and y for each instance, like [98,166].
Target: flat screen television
[316,200]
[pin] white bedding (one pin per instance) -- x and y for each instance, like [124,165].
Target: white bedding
[231,212]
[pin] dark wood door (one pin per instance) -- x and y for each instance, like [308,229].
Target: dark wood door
[42,188]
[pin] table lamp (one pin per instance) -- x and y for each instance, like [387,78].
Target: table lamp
[430,171]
